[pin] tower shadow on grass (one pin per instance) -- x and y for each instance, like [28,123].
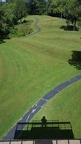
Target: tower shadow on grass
[75,59]
[49,130]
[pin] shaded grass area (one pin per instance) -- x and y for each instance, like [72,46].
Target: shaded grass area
[46,133]
[69,28]
[47,130]
[76,59]
[30,67]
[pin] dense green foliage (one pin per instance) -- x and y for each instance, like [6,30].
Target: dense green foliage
[69,9]
[20,10]
[32,66]
[22,29]
[7,18]
[72,11]
[10,13]
[15,10]
[36,7]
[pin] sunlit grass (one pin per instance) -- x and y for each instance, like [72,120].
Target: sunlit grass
[65,107]
[32,66]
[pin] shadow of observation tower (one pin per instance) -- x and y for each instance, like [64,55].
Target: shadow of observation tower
[44,129]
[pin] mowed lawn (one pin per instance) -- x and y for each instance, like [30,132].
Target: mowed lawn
[32,66]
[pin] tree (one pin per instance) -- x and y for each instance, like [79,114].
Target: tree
[49,7]
[41,6]
[20,10]
[36,6]
[50,4]
[2,20]
[72,11]
[32,7]
[58,7]
[7,18]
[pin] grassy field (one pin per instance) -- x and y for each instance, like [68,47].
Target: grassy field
[32,66]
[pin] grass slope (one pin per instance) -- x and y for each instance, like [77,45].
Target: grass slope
[32,66]
[65,107]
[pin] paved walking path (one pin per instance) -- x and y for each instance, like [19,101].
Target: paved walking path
[34,109]
[38,29]
[41,103]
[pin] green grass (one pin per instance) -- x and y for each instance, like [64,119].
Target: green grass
[22,29]
[31,66]
[65,107]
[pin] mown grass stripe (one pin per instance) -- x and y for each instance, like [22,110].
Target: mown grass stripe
[32,66]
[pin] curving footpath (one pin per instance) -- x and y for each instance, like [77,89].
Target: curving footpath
[41,103]
[38,29]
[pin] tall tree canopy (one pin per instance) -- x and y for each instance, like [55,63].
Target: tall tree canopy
[10,13]
[36,6]
[72,11]
[7,18]
[69,9]
[15,10]
[58,7]
[20,9]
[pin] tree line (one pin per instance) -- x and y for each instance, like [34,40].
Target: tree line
[14,10]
